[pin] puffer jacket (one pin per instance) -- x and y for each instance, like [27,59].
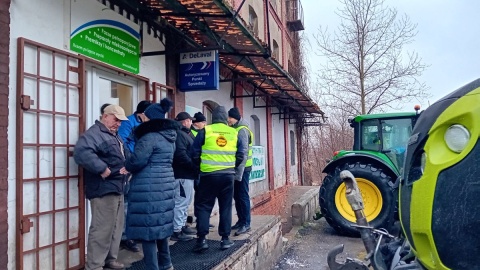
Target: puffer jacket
[95,150]
[152,187]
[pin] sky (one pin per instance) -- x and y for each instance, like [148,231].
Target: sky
[448,39]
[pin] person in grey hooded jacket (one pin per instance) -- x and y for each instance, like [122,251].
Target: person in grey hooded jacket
[152,187]
[217,151]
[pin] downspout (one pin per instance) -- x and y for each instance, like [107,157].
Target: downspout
[267,28]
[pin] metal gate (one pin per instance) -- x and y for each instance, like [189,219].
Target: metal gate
[50,206]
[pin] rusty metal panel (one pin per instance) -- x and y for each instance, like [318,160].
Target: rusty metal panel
[160,91]
[50,204]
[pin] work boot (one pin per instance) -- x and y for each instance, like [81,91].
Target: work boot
[180,236]
[201,245]
[236,226]
[242,230]
[189,230]
[226,244]
[129,245]
[114,265]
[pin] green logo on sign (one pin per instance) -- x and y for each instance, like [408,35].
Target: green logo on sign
[108,41]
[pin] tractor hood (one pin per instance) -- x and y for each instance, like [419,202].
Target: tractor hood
[438,198]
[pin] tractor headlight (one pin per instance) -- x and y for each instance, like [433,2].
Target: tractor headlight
[423,161]
[457,137]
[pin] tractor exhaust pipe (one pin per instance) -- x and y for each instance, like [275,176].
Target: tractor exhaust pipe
[354,198]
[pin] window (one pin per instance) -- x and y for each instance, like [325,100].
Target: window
[252,20]
[292,148]
[275,50]
[255,128]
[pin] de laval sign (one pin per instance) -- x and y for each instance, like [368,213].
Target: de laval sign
[199,71]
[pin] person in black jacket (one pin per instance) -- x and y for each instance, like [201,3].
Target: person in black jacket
[100,152]
[185,173]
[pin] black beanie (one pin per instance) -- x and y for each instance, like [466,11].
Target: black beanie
[234,113]
[142,106]
[199,117]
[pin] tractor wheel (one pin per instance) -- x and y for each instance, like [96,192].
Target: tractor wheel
[378,196]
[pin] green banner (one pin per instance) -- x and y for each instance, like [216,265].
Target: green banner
[110,42]
[258,166]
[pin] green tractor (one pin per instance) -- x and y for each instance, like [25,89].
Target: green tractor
[376,161]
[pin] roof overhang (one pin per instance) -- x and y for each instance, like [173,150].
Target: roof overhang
[214,24]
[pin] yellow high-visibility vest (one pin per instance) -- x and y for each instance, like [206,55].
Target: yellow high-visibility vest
[250,146]
[194,132]
[219,149]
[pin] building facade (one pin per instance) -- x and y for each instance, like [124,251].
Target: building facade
[64,59]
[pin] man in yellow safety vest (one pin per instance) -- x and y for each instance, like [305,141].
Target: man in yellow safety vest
[242,175]
[216,152]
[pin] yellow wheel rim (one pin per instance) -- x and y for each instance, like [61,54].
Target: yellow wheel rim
[372,200]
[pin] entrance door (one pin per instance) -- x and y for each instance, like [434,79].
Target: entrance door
[108,87]
[49,203]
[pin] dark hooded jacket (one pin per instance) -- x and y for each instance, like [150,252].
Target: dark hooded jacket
[96,150]
[219,115]
[152,187]
[183,166]
[244,137]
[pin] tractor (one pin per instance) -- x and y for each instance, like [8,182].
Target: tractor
[376,161]
[439,187]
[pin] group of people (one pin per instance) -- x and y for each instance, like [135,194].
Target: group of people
[142,172]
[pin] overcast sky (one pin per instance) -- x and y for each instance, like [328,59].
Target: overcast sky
[448,38]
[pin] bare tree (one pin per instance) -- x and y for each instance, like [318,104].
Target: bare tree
[366,67]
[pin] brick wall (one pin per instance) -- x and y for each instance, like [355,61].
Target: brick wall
[271,202]
[4,73]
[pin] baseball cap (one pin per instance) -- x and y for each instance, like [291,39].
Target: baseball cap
[115,110]
[183,115]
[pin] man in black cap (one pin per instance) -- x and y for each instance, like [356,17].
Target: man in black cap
[125,132]
[198,123]
[242,172]
[185,173]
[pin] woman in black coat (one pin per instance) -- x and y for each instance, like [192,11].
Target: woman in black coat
[152,187]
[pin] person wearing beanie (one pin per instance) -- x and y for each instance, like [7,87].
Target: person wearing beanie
[216,152]
[185,173]
[152,186]
[199,123]
[134,120]
[242,175]
[126,133]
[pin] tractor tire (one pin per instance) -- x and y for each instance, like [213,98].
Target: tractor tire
[378,193]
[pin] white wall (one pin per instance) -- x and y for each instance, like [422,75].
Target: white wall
[261,186]
[294,176]
[278,149]
[48,22]
[221,97]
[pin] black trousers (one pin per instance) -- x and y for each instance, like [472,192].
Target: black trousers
[211,187]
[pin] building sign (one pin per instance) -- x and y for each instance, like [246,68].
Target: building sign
[199,71]
[258,166]
[105,36]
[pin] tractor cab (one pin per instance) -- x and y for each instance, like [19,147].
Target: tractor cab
[385,135]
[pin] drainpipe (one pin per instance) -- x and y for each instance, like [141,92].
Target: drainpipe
[267,30]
